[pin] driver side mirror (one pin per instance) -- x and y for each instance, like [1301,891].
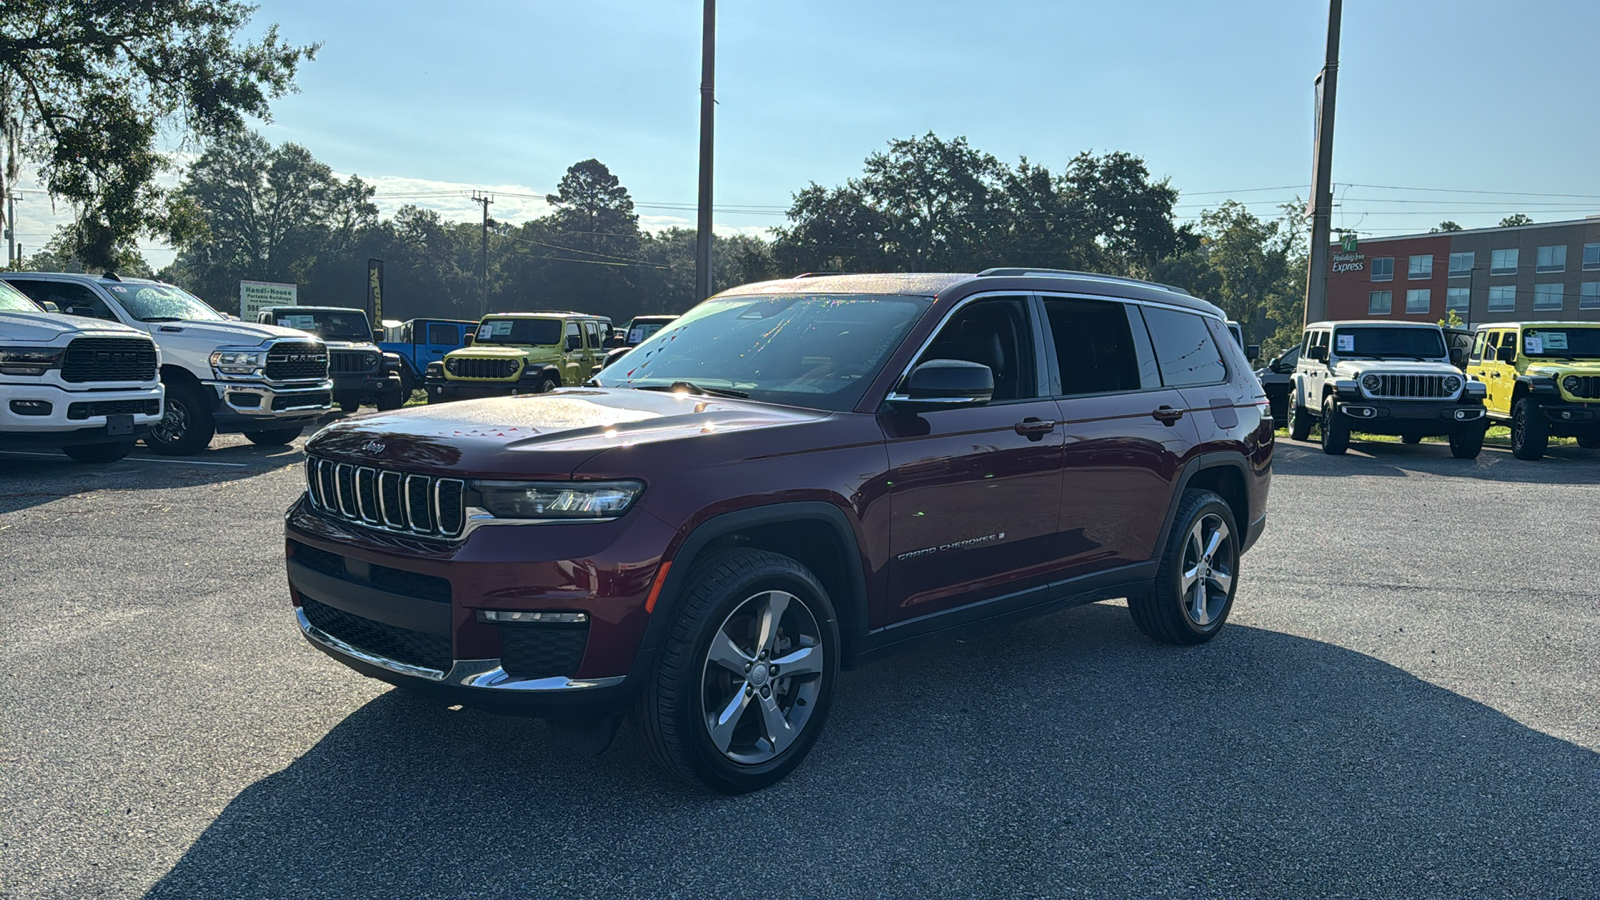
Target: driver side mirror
[377,335]
[1252,352]
[50,306]
[574,342]
[945,383]
[1458,357]
[1507,354]
[1319,353]
[467,341]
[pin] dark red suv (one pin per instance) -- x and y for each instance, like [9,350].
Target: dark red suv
[793,477]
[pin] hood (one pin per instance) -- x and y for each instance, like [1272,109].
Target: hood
[240,334]
[541,435]
[42,327]
[350,345]
[480,352]
[1565,367]
[1352,367]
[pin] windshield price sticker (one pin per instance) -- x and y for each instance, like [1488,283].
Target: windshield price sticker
[501,329]
[483,332]
[1554,340]
[297,321]
[1347,343]
[1533,344]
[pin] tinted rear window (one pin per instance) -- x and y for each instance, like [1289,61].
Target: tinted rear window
[1184,347]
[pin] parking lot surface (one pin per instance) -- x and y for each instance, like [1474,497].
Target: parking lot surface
[1406,702]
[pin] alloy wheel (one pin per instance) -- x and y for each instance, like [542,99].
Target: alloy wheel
[174,422]
[1209,564]
[762,676]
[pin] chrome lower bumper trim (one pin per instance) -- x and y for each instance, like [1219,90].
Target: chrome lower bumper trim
[480,674]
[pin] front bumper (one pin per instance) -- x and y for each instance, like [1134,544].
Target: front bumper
[253,406]
[462,389]
[1401,416]
[364,387]
[76,417]
[404,609]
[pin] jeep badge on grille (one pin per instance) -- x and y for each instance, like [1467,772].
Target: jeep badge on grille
[373,447]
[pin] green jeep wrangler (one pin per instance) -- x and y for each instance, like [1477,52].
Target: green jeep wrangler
[1544,381]
[518,353]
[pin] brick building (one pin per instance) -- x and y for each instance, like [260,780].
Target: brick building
[1545,271]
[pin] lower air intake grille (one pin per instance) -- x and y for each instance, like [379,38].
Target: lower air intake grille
[90,408]
[540,651]
[399,644]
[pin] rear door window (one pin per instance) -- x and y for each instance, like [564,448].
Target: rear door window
[443,333]
[1184,348]
[1095,349]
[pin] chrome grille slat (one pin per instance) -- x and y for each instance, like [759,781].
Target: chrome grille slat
[387,499]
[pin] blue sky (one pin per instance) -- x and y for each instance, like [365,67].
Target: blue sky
[1436,97]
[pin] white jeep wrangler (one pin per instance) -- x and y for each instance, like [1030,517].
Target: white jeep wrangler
[1384,378]
[88,388]
[221,375]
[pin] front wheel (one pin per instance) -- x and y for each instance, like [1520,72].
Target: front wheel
[1335,429]
[275,437]
[1197,576]
[1300,423]
[1411,437]
[1466,442]
[99,453]
[1530,430]
[747,674]
[186,425]
[349,406]
[392,400]
[1589,441]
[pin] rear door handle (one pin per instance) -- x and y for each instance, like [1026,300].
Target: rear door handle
[1167,416]
[1034,428]
[1494,374]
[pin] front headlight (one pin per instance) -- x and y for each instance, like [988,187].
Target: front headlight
[371,359]
[238,362]
[1452,383]
[556,500]
[1571,383]
[1372,383]
[28,360]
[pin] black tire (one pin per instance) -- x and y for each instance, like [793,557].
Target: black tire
[99,453]
[275,437]
[546,385]
[1466,441]
[1589,441]
[392,399]
[1411,438]
[349,406]
[1166,613]
[186,426]
[1530,430]
[1335,430]
[1300,423]
[670,716]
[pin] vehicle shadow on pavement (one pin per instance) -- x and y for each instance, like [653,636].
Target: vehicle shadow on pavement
[33,479]
[1063,756]
[1563,465]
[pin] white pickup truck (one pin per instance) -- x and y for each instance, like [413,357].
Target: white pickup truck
[221,375]
[88,388]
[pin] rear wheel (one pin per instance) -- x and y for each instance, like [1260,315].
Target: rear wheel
[747,674]
[1411,438]
[1466,442]
[1530,431]
[1300,423]
[1335,430]
[186,425]
[349,406]
[275,437]
[1589,441]
[1197,576]
[99,453]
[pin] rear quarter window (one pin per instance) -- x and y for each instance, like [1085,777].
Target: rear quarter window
[1185,350]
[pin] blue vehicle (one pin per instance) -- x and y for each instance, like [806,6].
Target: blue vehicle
[421,341]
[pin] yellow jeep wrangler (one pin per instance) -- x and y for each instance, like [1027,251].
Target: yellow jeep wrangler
[1543,380]
[518,353]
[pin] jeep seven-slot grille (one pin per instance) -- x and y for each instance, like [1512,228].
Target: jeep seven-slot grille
[403,502]
[349,362]
[1588,386]
[85,409]
[297,361]
[110,359]
[1414,387]
[467,367]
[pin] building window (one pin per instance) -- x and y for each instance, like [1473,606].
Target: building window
[1418,301]
[1591,257]
[1552,259]
[1457,298]
[1503,296]
[1383,268]
[1547,296]
[1503,262]
[1421,267]
[1589,295]
[1461,263]
[1379,303]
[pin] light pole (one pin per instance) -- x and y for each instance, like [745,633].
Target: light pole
[708,102]
[1322,174]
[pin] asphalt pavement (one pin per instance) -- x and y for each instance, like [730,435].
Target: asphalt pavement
[1406,702]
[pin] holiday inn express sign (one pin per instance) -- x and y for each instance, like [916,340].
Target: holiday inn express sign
[1348,262]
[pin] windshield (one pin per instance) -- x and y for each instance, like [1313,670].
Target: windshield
[161,303]
[812,350]
[539,332]
[343,325]
[1562,343]
[13,300]
[1379,342]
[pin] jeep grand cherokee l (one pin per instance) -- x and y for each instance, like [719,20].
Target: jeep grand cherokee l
[793,477]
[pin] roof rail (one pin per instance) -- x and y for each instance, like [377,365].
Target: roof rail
[1074,273]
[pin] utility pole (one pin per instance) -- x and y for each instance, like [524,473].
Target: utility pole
[708,102]
[483,271]
[12,255]
[1322,174]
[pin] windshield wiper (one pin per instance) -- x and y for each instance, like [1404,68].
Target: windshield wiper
[692,388]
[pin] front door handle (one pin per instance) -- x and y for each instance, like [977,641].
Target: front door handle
[1033,428]
[1494,374]
[1167,416]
